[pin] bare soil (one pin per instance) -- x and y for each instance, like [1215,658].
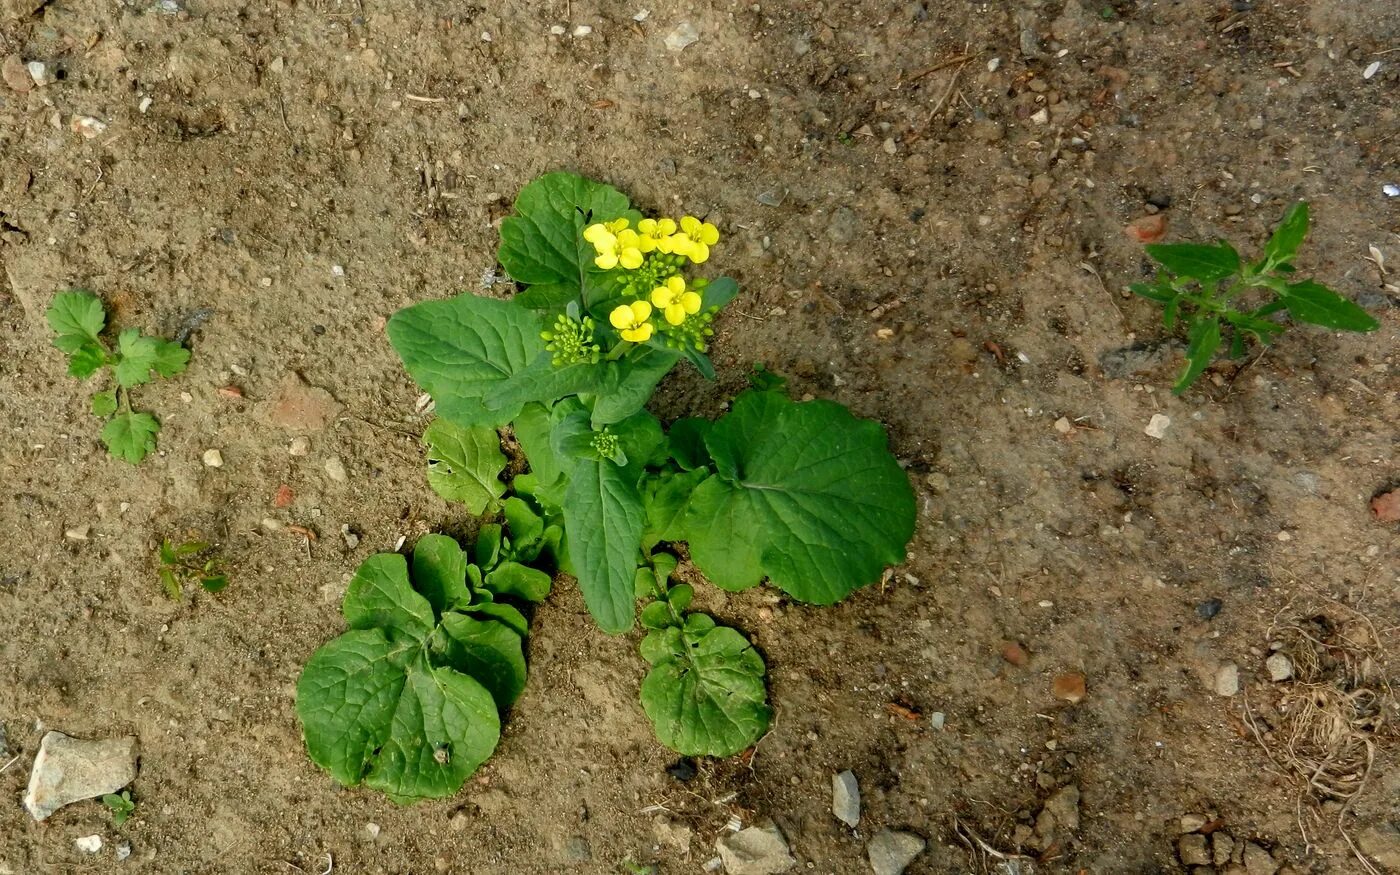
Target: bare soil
[946,255]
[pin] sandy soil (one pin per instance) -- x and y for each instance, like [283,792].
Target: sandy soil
[946,254]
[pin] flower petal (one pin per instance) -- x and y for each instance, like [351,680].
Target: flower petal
[641,311]
[675,314]
[621,317]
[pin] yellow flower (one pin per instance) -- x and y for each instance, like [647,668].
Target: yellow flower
[631,321]
[701,232]
[653,233]
[674,301]
[615,244]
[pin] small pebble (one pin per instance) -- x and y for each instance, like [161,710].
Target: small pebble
[685,34]
[582,30]
[86,126]
[372,830]
[1371,70]
[78,533]
[1390,189]
[1041,117]
[1227,680]
[993,64]
[1209,608]
[39,72]
[1069,687]
[299,447]
[213,459]
[335,469]
[123,851]
[1192,822]
[937,720]
[352,540]
[1280,667]
[558,30]
[1157,426]
[13,71]
[89,844]
[1063,425]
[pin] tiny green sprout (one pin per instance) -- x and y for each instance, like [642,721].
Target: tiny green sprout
[78,320]
[186,563]
[121,806]
[1205,285]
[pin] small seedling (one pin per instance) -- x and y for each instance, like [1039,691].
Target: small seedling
[1204,285]
[121,806]
[78,318]
[186,563]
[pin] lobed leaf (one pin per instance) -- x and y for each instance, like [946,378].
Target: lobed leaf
[77,317]
[487,650]
[380,597]
[805,494]
[440,572]
[131,436]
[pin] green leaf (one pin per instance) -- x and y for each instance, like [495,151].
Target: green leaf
[520,581]
[629,384]
[445,725]
[171,358]
[1314,303]
[765,380]
[380,597]
[1202,342]
[77,317]
[687,442]
[487,549]
[656,615]
[216,583]
[542,244]
[681,596]
[505,613]
[85,360]
[488,650]
[462,349]
[709,699]
[346,698]
[642,440]
[532,429]
[1288,236]
[603,521]
[548,296]
[440,572]
[131,436]
[137,357]
[719,292]
[171,584]
[465,464]
[1197,260]
[104,403]
[1160,294]
[524,524]
[667,498]
[805,494]
[544,383]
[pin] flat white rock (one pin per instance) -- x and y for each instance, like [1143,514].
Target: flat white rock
[68,770]
[758,850]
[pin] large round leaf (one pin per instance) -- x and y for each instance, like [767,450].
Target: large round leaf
[804,494]
[705,694]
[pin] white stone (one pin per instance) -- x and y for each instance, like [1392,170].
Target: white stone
[88,844]
[1157,426]
[758,850]
[213,459]
[335,469]
[1227,679]
[1280,667]
[299,447]
[68,770]
[684,34]
[1372,69]
[582,30]
[1063,425]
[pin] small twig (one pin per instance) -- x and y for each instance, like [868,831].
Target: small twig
[10,763]
[421,99]
[941,65]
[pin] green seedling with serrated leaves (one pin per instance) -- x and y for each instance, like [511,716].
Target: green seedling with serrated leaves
[1205,287]
[189,563]
[79,319]
[121,805]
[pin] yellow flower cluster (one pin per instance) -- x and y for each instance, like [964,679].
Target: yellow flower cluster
[617,243]
[672,300]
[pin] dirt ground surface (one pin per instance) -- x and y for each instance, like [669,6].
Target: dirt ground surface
[925,205]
